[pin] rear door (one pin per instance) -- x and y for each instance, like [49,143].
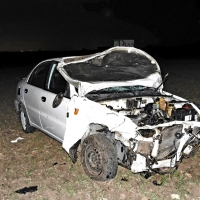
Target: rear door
[34,90]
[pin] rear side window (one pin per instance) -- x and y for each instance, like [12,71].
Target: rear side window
[39,75]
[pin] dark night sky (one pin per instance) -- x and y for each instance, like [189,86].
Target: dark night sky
[88,24]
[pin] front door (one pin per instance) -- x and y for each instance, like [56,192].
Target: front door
[53,120]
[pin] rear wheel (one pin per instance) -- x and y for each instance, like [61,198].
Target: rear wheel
[99,157]
[27,128]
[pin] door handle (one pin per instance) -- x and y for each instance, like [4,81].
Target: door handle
[43,99]
[26,90]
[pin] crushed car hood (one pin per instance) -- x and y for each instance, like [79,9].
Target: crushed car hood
[116,66]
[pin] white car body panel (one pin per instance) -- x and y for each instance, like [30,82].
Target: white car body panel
[154,80]
[34,106]
[92,112]
[53,119]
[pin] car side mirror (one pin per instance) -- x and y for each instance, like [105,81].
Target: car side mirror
[58,99]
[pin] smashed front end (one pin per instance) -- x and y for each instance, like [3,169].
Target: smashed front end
[120,95]
[167,130]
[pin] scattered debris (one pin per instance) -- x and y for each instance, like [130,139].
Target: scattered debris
[27,189]
[175,196]
[55,163]
[16,140]
[156,183]
[146,174]
[63,163]
[124,179]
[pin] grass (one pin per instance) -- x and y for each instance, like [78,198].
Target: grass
[154,197]
[30,161]
[181,184]
[71,189]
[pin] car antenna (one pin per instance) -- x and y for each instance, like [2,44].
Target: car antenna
[165,79]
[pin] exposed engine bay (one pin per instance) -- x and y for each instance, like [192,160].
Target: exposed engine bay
[167,132]
[153,110]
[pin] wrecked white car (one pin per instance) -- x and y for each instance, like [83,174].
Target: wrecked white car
[111,105]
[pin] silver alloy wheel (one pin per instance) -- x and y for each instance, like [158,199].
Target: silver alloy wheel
[23,120]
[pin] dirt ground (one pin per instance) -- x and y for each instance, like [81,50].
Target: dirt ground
[38,160]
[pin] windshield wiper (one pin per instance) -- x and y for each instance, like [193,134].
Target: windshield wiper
[165,79]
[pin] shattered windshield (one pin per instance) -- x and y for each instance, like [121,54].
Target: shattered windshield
[114,66]
[119,89]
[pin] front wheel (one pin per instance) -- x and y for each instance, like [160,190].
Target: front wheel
[99,157]
[27,128]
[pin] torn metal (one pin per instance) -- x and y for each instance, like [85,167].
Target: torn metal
[117,66]
[117,96]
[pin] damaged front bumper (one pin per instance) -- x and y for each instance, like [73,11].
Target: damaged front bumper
[144,142]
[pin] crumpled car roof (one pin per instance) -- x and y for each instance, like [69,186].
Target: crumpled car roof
[115,64]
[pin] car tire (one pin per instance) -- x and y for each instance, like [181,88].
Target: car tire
[26,127]
[99,157]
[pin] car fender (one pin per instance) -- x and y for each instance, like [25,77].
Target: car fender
[82,112]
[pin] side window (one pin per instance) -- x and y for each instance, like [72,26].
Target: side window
[56,82]
[39,75]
